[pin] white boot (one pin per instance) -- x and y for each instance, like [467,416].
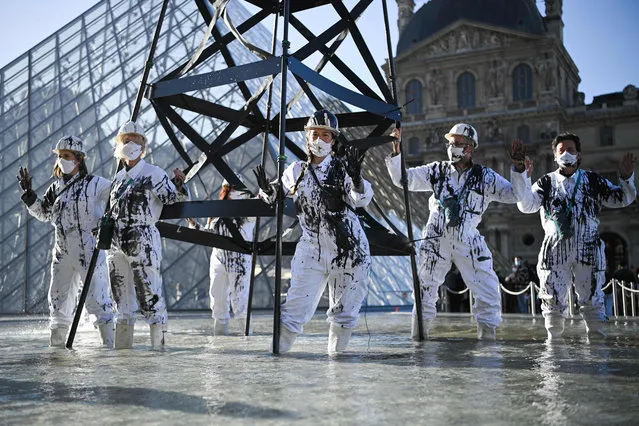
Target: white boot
[123,336]
[158,335]
[58,337]
[414,328]
[106,334]
[338,338]
[595,321]
[242,323]
[554,326]
[486,332]
[221,327]
[287,338]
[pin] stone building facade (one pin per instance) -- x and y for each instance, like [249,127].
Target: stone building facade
[502,67]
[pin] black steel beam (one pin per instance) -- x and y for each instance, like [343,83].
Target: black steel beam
[216,78]
[200,106]
[340,92]
[215,46]
[336,61]
[363,49]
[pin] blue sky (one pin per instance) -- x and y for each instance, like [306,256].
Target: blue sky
[601,35]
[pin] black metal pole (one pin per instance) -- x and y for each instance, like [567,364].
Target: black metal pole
[149,62]
[281,162]
[413,261]
[134,115]
[256,233]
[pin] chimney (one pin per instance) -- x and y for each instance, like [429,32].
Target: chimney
[554,23]
[404,13]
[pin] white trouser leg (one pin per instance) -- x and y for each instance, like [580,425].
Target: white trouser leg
[148,286]
[554,287]
[121,278]
[99,302]
[239,292]
[347,290]
[308,280]
[142,248]
[219,292]
[434,264]
[475,264]
[588,282]
[62,290]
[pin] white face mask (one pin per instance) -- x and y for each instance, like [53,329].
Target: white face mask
[319,148]
[567,159]
[455,154]
[130,151]
[66,166]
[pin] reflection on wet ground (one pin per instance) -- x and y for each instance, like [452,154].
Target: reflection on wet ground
[385,378]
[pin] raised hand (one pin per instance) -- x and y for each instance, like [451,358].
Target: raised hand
[518,155]
[397,134]
[354,165]
[529,166]
[262,180]
[627,165]
[178,178]
[24,179]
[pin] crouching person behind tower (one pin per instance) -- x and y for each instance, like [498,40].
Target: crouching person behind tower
[569,200]
[140,190]
[74,204]
[462,192]
[333,247]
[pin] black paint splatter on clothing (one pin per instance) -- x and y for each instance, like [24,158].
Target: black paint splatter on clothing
[326,219]
[593,192]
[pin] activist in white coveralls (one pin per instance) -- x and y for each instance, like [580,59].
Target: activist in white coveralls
[462,192]
[230,271]
[333,247]
[74,204]
[140,190]
[569,201]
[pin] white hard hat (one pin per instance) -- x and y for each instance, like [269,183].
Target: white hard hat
[225,183]
[70,143]
[323,119]
[130,128]
[463,129]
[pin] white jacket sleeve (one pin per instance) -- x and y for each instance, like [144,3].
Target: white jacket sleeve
[166,191]
[418,177]
[356,199]
[619,196]
[500,189]
[528,195]
[42,209]
[103,189]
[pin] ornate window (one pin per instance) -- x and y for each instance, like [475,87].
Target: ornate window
[606,136]
[522,83]
[414,97]
[523,133]
[413,146]
[466,91]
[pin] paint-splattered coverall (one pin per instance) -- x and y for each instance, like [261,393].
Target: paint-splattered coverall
[74,214]
[463,244]
[137,199]
[579,259]
[230,272]
[333,247]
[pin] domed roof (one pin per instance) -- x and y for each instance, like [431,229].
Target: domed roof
[519,15]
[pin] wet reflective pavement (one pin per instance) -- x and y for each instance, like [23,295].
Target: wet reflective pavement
[385,378]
